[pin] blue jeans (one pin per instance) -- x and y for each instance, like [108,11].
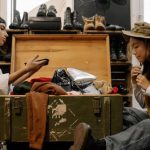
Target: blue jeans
[136,133]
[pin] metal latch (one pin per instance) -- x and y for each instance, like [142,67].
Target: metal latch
[17,106]
[97,105]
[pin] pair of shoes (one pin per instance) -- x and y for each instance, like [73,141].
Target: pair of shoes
[94,23]
[71,20]
[43,11]
[18,23]
[122,89]
[83,139]
[117,50]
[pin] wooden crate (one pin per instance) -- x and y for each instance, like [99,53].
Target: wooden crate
[89,53]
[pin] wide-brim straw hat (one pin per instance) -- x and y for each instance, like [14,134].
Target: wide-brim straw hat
[140,30]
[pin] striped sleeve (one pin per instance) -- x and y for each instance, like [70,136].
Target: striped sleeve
[139,95]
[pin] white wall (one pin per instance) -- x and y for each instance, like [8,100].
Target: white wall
[137,11]
[147,10]
[3,10]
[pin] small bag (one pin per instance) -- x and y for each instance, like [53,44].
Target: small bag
[63,79]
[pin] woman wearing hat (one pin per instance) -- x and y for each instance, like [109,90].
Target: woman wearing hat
[31,67]
[136,133]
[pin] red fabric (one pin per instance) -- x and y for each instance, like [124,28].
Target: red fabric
[40,79]
[114,90]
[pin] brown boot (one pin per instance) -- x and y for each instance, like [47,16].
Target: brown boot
[88,23]
[83,139]
[100,22]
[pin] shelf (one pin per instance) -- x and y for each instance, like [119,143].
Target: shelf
[103,32]
[55,31]
[16,30]
[64,31]
[4,63]
[44,31]
[121,63]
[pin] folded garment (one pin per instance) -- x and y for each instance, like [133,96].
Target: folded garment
[49,88]
[36,115]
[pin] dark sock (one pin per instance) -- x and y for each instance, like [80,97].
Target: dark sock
[101,144]
[95,144]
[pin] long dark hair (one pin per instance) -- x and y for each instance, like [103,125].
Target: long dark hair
[146,64]
[2,20]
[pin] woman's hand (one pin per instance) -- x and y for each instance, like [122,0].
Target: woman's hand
[33,64]
[135,71]
[142,81]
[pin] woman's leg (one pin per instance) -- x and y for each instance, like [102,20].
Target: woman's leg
[136,137]
[132,116]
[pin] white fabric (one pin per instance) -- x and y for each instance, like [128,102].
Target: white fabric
[147,92]
[4,86]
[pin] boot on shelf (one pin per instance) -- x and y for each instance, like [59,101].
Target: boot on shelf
[113,55]
[67,19]
[100,22]
[42,10]
[121,55]
[24,22]
[16,21]
[88,23]
[51,12]
[75,21]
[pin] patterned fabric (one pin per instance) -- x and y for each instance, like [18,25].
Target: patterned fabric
[142,27]
[139,95]
[142,99]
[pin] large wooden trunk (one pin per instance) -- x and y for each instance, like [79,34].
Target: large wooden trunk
[89,53]
[103,113]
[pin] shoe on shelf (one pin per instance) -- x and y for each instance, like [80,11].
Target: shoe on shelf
[75,21]
[67,19]
[88,23]
[24,22]
[122,89]
[42,10]
[51,12]
[113,27]
[113,55]
[16,21]
[121,55]
[100,22]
